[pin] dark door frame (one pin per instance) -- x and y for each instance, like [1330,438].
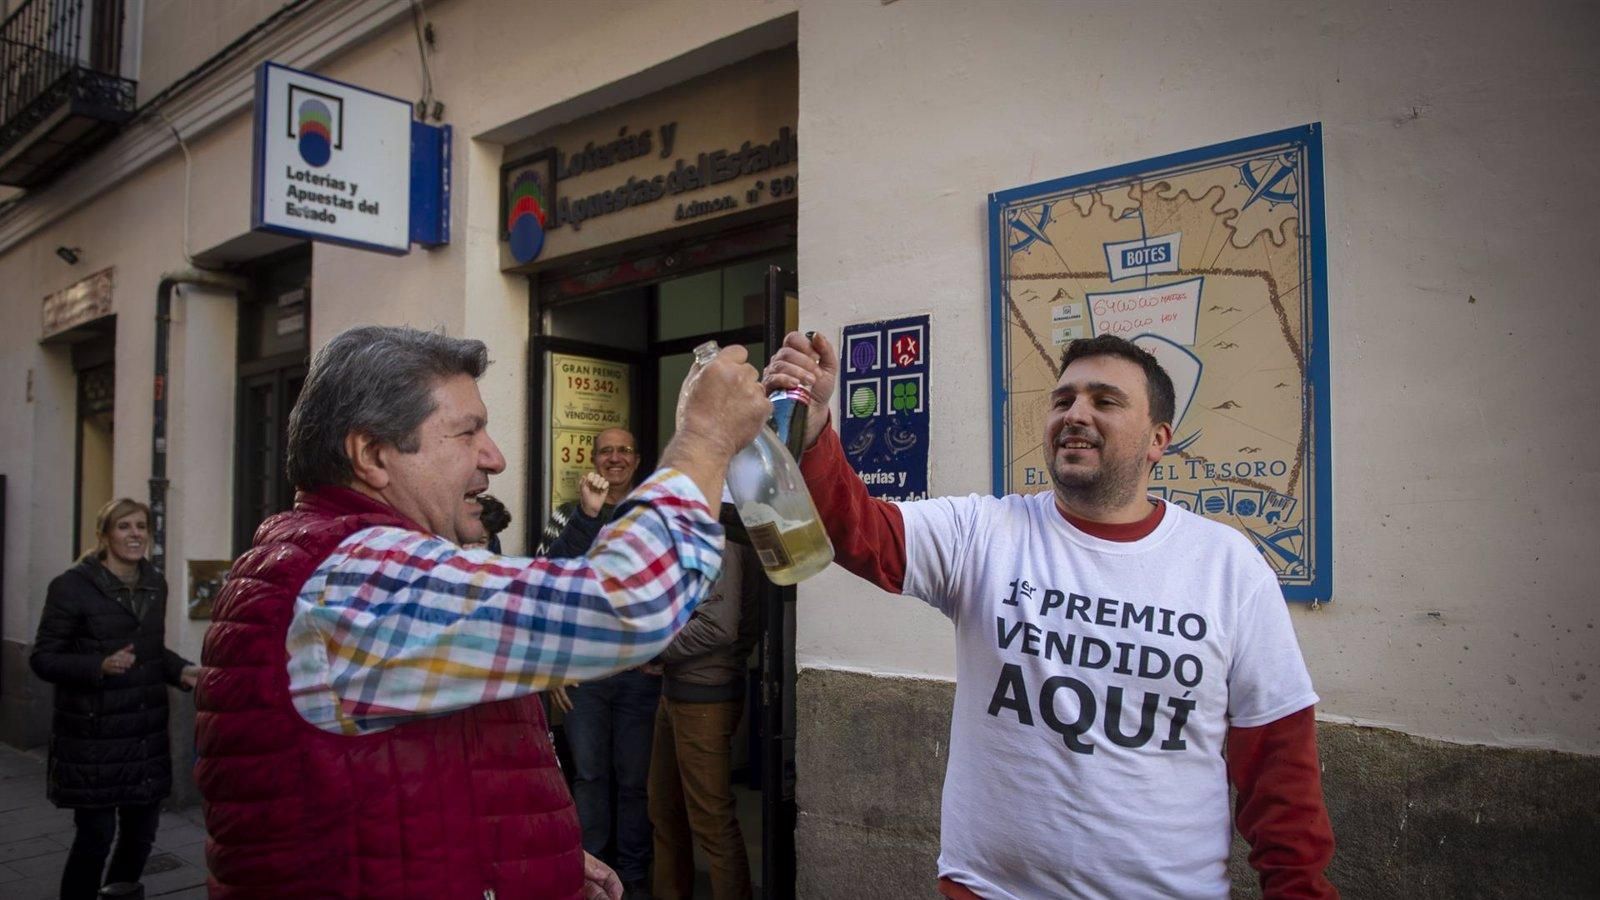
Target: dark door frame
[778,808]
[278,371]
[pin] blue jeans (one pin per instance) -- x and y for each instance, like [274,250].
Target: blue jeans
[610,730]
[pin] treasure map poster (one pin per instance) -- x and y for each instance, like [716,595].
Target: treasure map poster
[1214,260]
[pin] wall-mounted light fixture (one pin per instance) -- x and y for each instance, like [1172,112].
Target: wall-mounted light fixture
[69,255]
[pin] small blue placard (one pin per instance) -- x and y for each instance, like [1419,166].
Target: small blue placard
[430,184]
[883,405]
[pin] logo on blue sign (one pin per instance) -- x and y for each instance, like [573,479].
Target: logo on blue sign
[316,133]
[316,123]
[525,223]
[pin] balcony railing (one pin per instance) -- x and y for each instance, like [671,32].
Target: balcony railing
[60,92]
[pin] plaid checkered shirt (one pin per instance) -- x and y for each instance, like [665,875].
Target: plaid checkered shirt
[396,625]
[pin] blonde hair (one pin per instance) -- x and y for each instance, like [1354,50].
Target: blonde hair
[108,516]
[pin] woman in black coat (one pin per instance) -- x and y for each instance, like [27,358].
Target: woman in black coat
[102,643]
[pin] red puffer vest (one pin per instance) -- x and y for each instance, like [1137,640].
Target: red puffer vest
[469,805]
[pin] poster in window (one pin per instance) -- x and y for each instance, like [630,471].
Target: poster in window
[587,396]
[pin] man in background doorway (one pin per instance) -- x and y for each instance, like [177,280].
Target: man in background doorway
[691,767]
[574,524]
[608,721]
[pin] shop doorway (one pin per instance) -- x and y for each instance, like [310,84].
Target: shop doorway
[636,321]
[95,364]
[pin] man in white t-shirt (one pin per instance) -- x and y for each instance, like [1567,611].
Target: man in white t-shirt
[1118,660]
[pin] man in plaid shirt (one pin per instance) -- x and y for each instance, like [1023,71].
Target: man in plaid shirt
[395,633]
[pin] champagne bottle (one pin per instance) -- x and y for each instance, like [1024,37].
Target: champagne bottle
[768,492]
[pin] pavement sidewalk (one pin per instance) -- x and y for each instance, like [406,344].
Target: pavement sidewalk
[34,837]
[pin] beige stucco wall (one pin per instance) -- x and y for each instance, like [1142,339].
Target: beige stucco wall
[178,35]
[1456,138]
[39,496]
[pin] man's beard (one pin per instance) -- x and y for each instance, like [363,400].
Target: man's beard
[1112,486]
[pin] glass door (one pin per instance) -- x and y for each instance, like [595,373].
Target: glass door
[266,395]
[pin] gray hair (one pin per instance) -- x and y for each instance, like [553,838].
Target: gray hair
[377,380]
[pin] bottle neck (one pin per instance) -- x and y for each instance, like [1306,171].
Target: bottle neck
[705,353]
[789,418]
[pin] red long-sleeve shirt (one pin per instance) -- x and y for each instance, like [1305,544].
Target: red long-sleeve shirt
[1273,767]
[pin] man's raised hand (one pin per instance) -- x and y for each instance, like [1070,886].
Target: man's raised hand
[592,488]
[806,360]
[722,411]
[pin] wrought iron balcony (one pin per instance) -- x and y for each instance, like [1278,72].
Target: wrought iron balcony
[60,94]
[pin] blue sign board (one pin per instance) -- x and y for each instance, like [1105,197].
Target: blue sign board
[883,401]
[430,184]
[339,163]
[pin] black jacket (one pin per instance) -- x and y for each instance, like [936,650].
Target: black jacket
[570,532]
[108,738]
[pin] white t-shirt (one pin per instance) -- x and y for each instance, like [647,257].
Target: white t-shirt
[1179,634]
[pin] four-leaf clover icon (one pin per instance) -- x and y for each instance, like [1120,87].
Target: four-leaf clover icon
[905,396]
